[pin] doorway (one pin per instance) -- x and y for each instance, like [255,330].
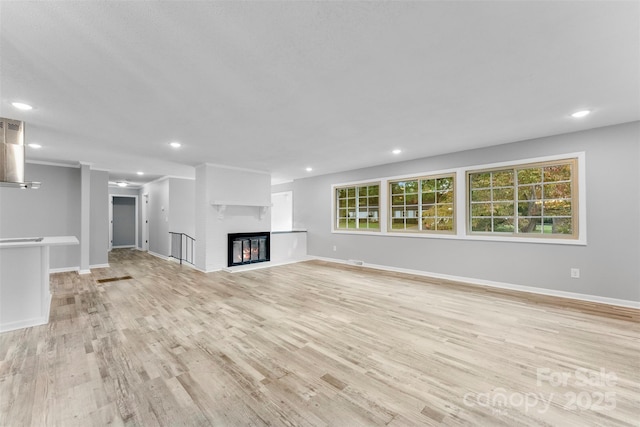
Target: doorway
[123,215]
[282,211]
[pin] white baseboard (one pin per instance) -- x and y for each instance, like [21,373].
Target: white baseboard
[100,266]
[172,259]
[77,269]
[206,271]
[260,265]
[186,264]
[492,284]
[124,247]
[12,326]
[63,269]
[157,255]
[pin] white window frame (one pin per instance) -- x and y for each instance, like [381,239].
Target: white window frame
[461,189]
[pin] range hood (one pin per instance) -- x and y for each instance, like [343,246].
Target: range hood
[12,155]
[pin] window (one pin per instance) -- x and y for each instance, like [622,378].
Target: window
[358,207]
[422,204]
[537,199]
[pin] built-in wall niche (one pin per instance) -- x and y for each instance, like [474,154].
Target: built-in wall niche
[248,248]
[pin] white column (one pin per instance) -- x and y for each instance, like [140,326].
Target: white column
[85,217]
[202,217]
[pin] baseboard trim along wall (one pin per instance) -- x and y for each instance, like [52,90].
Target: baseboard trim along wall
[99,266]
[261,265]
[12,326]
[489,283]
[63,269]
[35,321]
[186,264]
[164,257]
[167,258]
[77,269]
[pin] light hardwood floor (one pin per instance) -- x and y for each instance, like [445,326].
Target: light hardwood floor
[314,344]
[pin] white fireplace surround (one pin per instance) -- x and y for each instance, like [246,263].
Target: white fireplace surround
[234,200]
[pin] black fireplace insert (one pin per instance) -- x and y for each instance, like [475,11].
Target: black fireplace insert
[248,248]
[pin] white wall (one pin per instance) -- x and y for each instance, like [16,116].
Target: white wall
[608,263]
[282,211]
[235,187]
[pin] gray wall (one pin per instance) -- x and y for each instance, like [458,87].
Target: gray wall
[158,216]
[125,191]
[124,221]
[609,263]
[182,194]
[99,218]
[52,210]
[171,208]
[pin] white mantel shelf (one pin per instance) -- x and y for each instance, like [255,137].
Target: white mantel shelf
[221,206]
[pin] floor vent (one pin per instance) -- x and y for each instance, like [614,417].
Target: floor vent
[114,279]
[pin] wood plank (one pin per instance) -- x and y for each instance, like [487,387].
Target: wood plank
[314,344]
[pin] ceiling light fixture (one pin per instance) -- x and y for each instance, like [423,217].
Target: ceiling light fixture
[582,113]
[34,145]
[140,173]
[175,144]
[397,151]
[22,106]
[309,169]
[121,183]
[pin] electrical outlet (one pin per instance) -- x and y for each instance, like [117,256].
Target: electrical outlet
[335,248]
[575,273]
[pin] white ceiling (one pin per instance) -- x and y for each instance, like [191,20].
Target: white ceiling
[279,86]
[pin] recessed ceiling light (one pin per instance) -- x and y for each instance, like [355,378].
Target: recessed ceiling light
[175,144]
[309,169]
[22,106]
[397,151]
[140,173]
[579,114]
[121,184]
[34,145]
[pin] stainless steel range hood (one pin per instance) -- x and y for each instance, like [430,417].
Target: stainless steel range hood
[12,155]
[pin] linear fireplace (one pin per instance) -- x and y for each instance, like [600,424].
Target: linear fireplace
[248,248]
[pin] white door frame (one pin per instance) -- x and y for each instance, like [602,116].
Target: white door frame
[110,222]
[111,196]
[145,222]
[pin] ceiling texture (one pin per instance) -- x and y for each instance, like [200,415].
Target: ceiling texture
[282,86]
